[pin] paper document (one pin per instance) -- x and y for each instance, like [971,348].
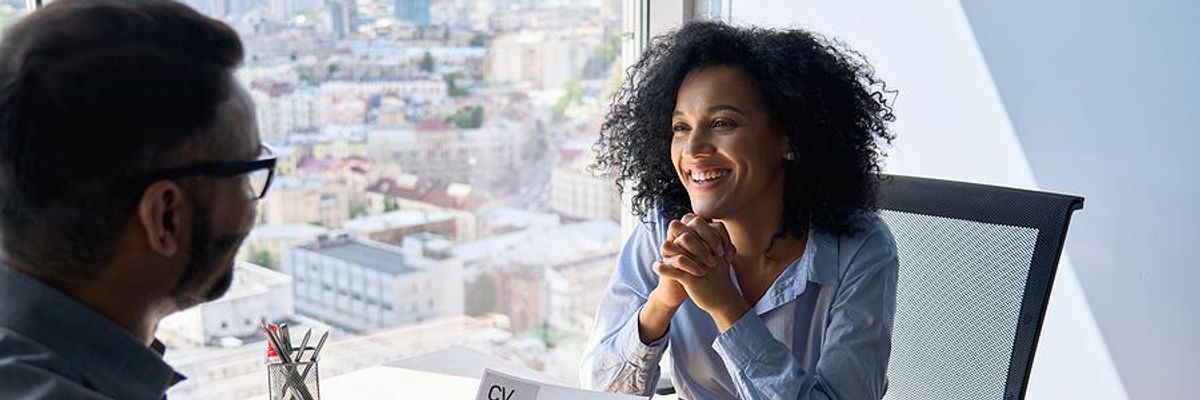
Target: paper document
[498,386]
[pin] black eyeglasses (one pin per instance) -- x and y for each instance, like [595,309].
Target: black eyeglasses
[260,172]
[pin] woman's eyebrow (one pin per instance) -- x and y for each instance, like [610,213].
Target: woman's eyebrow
[713,109]
[721,107]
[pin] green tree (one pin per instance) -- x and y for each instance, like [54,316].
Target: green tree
[469,117]
[573,95]
[263,258]
[358,211]
[452,86]
[479,40]
[481,295]
[609,50]
[427,62]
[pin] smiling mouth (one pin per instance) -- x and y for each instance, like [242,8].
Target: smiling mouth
[707,178]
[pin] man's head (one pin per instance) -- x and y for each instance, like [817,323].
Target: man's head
[119,125]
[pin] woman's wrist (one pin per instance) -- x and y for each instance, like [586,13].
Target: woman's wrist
[654,319]
[724,317]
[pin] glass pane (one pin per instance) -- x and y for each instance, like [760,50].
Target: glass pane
[10,11]
[431,203]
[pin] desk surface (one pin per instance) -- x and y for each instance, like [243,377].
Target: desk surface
[385,383]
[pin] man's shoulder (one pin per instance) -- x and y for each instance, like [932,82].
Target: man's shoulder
[29,370]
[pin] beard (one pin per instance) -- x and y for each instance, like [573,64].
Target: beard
[209,272]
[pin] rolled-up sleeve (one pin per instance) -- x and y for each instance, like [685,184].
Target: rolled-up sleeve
[854,354]
[616,359]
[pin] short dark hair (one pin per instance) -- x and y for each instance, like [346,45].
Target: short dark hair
[93,92]
[818,92]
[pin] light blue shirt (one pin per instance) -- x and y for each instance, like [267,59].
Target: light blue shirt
[822,330]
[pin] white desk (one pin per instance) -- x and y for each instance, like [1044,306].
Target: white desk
[388,383]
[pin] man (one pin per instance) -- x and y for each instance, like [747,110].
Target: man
[130,165]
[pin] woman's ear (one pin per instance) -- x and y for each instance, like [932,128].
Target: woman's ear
[161,211]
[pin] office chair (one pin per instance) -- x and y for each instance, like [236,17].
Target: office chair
[976,266]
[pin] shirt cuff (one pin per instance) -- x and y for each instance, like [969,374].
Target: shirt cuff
[743,343]
[629,343]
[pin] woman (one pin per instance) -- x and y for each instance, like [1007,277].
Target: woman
[753,155]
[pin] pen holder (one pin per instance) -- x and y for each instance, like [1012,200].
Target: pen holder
[294,381]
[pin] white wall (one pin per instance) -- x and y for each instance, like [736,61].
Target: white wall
[952,124]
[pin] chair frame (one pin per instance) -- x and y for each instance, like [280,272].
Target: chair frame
[1050,216]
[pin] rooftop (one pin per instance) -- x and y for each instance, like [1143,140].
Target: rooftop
[455,196]
[251,279]
[368,254]
[516,218]
[394,220]
[286,231]
[547,245]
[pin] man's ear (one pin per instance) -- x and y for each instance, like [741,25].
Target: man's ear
[161,212]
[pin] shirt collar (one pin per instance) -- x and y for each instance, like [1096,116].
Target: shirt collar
[818,264]
[105,355]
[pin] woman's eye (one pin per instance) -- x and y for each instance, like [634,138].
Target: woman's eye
[723,124]
[678,128]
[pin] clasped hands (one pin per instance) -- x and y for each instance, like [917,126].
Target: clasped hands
[696,259]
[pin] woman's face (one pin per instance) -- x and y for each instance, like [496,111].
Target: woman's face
[723,148]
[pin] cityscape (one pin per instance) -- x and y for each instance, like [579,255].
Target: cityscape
[433,197]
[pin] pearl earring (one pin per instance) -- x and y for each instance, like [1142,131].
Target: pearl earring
[790,156]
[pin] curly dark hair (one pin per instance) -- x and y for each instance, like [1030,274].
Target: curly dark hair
[819,92]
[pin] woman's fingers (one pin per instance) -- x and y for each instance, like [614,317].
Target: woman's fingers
[705,240]
[669,248]
[687,244]
[686,264]
[711,236]
[676,228]
[696,247]
[730,250]
[687,218]
[669,271]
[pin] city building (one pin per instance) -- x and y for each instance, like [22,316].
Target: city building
[413,11]
[282,109]
[410,192]
[265,245]
[305,200]
[257,294]
[351,175]
[287,159]
[369,61]
[350,103]
[484,158]
[573,291]
[391,227]
[360,285]
[575,192]
[501,220]
[343,15]
[546,277]
[333,142]
[541,59]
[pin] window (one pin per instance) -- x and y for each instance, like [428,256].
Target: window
[430,139]
[10,11]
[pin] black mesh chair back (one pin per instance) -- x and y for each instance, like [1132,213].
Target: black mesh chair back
[976,266]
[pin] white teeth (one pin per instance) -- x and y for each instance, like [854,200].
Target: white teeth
[708,176]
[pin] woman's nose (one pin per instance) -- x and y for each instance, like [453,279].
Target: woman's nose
[699,143]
